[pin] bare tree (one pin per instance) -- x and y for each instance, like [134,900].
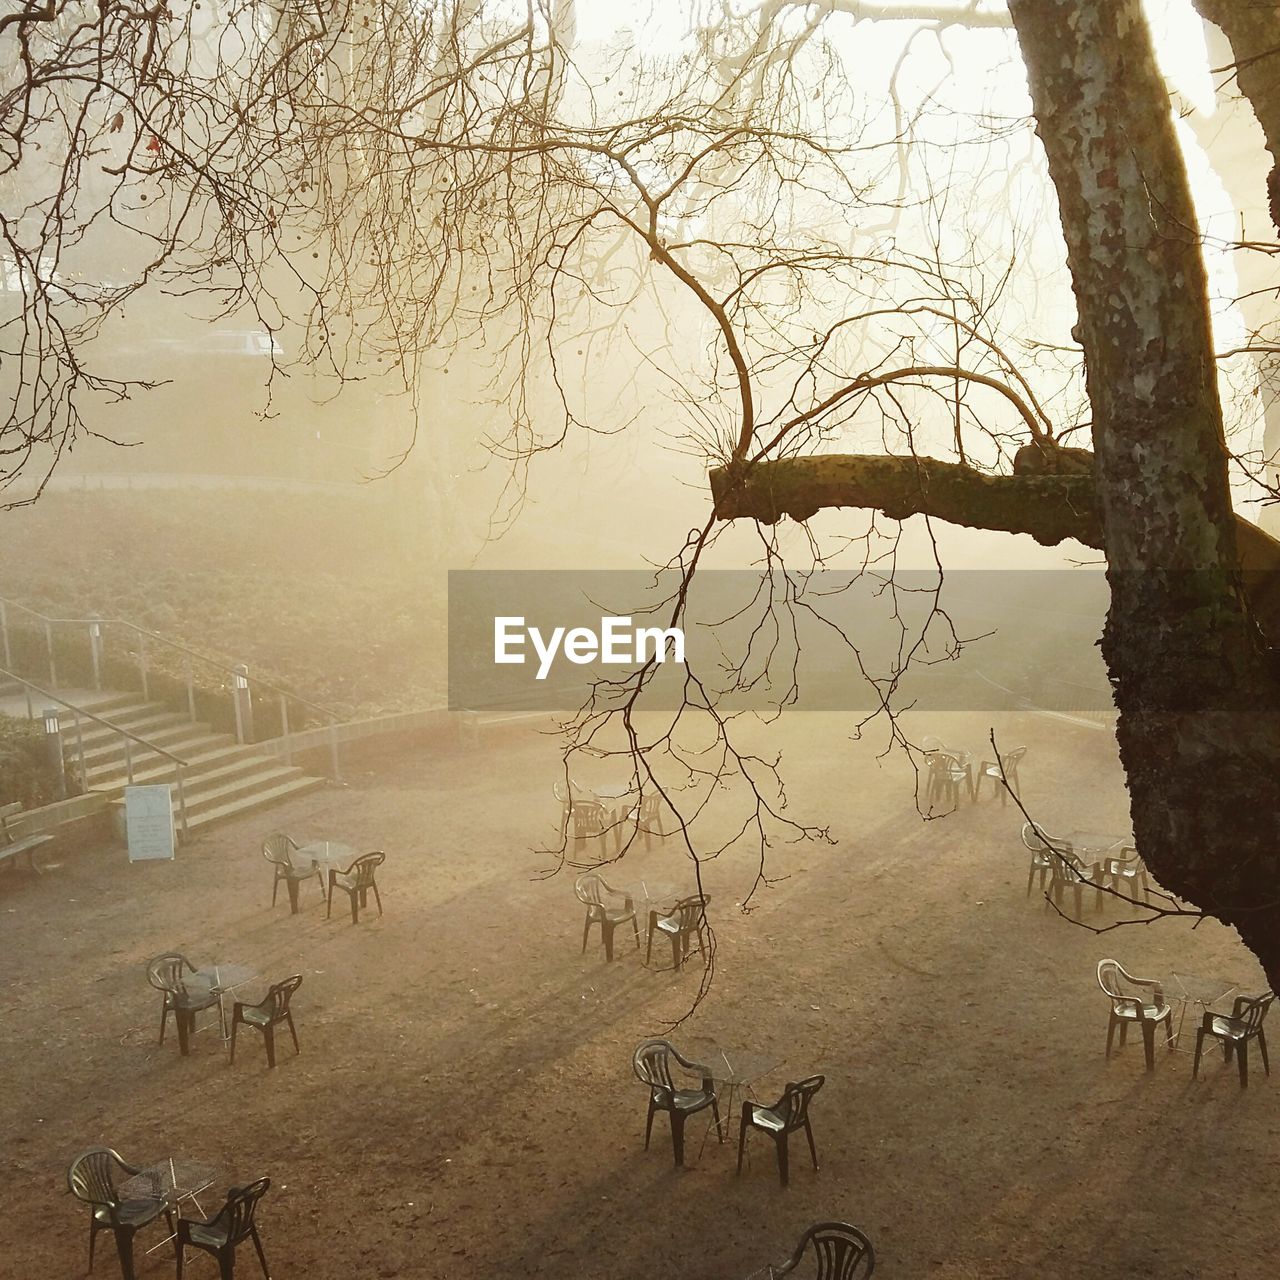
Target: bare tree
[396,180]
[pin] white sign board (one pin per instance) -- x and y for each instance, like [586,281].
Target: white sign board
[148,818]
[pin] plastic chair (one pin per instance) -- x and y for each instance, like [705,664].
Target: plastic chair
[784,1117]
[686,922]
[592,891]
[947,770]
[1129,1007]
[277,849]
[841,1252]
[652,1064]
[165,973]
[1010,760]
[92,1178]
[1068,871]
[355,882]
[646,818]
[1042,857]
[272,1009]
[591,821]
[1127,873]
[229,1227]
[1235,1032]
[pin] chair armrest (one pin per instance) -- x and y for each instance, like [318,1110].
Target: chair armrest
[1154,983]
[681,1059]
[1135,1003]
[1207,1020]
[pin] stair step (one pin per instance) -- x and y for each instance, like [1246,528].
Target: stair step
[178,741]
[107,704]
[216,793]
[256,800]
[200,785]
[157,769]
[144,725]
[220,791]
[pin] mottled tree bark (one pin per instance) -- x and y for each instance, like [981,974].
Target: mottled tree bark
[1196,685]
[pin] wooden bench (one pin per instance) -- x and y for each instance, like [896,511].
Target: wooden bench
[13,844]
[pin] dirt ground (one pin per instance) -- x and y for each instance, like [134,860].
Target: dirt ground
[464,1106]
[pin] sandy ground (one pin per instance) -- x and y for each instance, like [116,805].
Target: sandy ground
[464,1107]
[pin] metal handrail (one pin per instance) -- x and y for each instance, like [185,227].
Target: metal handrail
[127,735]
[240,677]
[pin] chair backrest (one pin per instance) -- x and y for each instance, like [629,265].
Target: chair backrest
[1125,861]
[650,806]
[1112,977]
[842,1252]
[560,791]
[588,817]
[92,1176]
[364,868]
[277,848]
[690,912]
[931,743]
[590,888]
[652,1063]
[277,1002]
[1040,841]
[1012,759]
[236,1216]
[164,972]
[793,1106]
[1252,1011]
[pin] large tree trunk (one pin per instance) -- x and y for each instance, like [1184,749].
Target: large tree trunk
[1196,687]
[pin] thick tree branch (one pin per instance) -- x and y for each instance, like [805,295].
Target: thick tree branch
[1051,508]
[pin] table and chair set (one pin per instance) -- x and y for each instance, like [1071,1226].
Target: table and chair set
[124,1198]
[672,916]
[681,1086]
[1106,863]
[618,809]
[333,865]
[1154,1005]
[187,989]
[951,772]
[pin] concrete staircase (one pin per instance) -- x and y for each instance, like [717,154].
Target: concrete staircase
[221,780]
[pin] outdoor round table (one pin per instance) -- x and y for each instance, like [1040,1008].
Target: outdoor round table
[654,894]
[172,1180]
[1083,842]
[221,979]
[1190,988]
[328,855]
[736,1069]
[613,791]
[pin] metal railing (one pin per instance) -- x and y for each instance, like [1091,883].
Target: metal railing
[127,738]
[242,686]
